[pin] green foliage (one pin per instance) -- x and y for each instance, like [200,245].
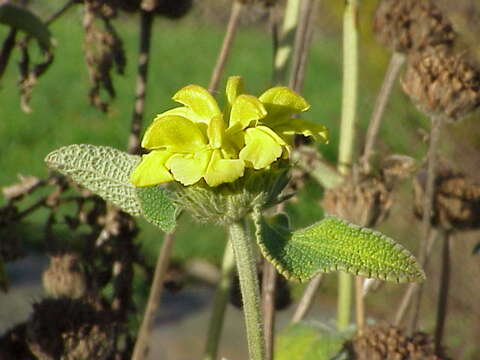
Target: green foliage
[331,245]
[102,170]
[23,19]
[308,341]
[157,207]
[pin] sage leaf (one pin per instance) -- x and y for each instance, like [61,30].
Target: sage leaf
[157,207]
[102,170]
[334,244]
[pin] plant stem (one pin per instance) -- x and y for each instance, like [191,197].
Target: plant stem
[428,202]
[306,301]
[232,26]
[359,304]
[284,52]
[303,38]
[141,346]
[391,74]
[443,292]
[269,282]
[247,273]
[220,304]
[146,22]
[347,135]
[412,287]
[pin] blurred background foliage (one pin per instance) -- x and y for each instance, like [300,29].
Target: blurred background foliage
[184,52]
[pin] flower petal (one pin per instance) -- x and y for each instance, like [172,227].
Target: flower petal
[152,170]
[216,132]
[281,100]
[260,149]
[223,170]
[174,133]
[189,169]
[245,109]
[199,100]
[182,111]
[304,127]
[235,87]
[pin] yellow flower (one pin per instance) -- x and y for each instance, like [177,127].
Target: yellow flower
[194,142]
[189,143]
[270,137]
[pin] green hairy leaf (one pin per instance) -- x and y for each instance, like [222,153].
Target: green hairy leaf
[102,170]
[157,207]
[334,244]
[23,19]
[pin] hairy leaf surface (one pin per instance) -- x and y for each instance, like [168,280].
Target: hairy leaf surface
[334,244]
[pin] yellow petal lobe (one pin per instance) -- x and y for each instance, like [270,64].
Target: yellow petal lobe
[199,100]
[260,149]
[223,170]
[152,170]
[189,169]
[216,132]
[281,100]
[235,88]
[245,109]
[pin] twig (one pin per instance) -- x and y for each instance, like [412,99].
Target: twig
[307,299]
[139,352]
[303,39]
[232,26]
[269,281]
[146,22]
[347,135]
[394,66]
[220,304]
[443,292]
[60,12]
[428,202]
[413,287]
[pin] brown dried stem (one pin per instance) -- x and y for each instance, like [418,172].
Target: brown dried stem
[443,292]
[303,39]
[232,26]
[427,210]
[359,304]
[60,12]
[161,267]
[146,22]
[269,281]
[391,74]
[7,48]
[413,287]
[306,301]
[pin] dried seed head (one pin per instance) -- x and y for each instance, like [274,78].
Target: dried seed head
[412,25]
[64,277]
[366,202]
[443,84]
[69,329]
[456,199]
[389,342]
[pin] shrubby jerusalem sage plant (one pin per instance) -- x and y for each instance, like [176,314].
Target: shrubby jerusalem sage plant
[228,165]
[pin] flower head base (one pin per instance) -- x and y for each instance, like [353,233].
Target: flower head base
[197,141]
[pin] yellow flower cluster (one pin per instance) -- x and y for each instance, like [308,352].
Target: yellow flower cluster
[198,141]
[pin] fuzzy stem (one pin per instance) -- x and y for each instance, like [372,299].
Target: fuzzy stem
[443,292]
[391,74]
[428,202]
[220,304]
[232,26]
[284,52]
[141,346]
[146,22]
[247,273]
[269,282]
[347,135]
[306,301]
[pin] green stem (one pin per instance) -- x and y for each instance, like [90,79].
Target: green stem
[347,134]
[283,54]
[247,273]
[220,304]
